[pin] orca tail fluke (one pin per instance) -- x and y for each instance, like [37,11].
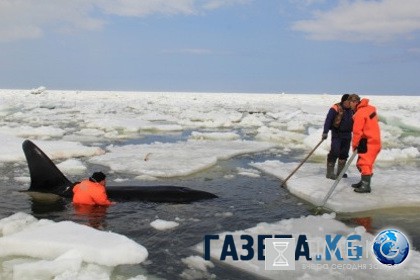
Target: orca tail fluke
[45,176]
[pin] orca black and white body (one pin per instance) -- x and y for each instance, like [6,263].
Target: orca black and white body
[47,178]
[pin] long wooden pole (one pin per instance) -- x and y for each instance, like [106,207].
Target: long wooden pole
[304,160]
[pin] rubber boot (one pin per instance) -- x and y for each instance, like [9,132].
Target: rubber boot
[357,185]
[330,171]
[365,187]
[340,165]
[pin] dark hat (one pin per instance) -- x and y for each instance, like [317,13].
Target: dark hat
[354,97]
[97,177]
[344,97]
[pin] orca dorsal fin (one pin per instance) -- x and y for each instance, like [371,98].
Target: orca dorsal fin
[45,175]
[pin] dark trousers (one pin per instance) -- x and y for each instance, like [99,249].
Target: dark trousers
[339,149]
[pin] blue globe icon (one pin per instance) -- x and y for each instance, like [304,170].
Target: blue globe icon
[391,247]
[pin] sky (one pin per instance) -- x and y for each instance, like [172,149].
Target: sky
[292,46]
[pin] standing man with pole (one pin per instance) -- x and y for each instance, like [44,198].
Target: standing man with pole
[366,139]
[340,121]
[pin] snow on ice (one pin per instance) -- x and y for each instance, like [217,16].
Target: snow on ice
[61,249]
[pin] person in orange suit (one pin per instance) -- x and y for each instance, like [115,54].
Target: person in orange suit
[91,191]
[366,139]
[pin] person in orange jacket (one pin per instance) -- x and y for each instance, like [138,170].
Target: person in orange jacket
[91,191]
[366,139]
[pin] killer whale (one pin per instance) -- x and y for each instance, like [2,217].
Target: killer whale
[47,178]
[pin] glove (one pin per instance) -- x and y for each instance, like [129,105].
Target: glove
[324,136]
[362,147]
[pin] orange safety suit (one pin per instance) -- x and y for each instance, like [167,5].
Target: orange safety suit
[90,193]
[366,126]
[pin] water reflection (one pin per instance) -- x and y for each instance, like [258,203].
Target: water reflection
[91,215]
[45,204]
[405,219]
[366,222]
[42,203]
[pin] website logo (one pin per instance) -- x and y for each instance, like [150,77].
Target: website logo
[280,254]
[332,251]
[391,247]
